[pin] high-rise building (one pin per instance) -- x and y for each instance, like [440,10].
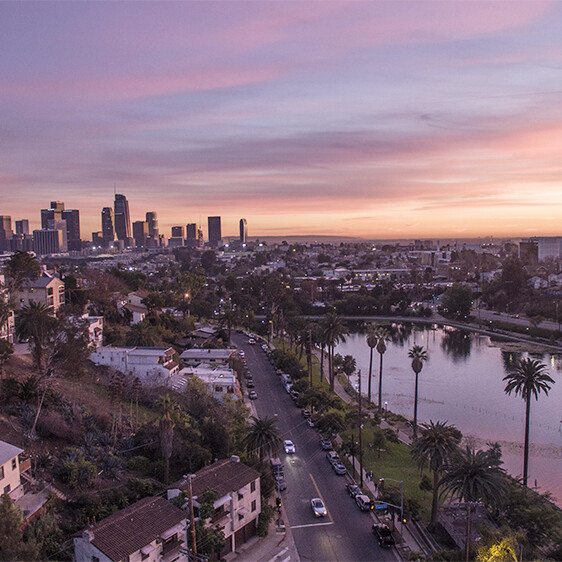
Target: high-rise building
[6,232]
[194,236]
[178,232]
[59,224]
[54,212]
[214,226]
[48,241]
[140,232]
[97,239]
[107,226]
[22,227]
[243,231]
[153,238]
[122,217]
[72,218]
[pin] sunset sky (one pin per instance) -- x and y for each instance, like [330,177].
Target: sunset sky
[372,119]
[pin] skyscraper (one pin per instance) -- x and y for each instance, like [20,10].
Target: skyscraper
[214,226]
[54,212]
[60,224]
[140,232]
[107,226]
[122,217]
[48,241]
[72,218]
[22,227]
[243,231]
[153,238]
[6,232]
[178,232]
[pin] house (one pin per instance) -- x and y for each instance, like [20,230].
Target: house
[153,365]
[10,482]
[239,499]
[138,313]
[47,289]
[136,297]
[7,328]
[215,357]
[149,530]
[219,382]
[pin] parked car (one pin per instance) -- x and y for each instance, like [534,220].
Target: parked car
[250,383]
[294,395]
[264,347]
[276,467]
[332,457]
[306,413]
[252,395]
[326,444]
[383,535]
[353,490]
[318,507]
[280,483]
[339,468]
[364,502]
[310,422]
[289,446]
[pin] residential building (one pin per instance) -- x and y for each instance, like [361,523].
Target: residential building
[215,357]
[243,231]
[10,482]
[152,365]
[47,289]
[107,226]
[140,233]
[72,218]
[150,530]
[214,228]
[122,217]
[549,247]
[239,500]
[6,232]
[220,382]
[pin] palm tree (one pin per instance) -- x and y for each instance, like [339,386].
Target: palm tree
[372,340]
[528,380]
[167,407]
[34,322]
[264,437]
[334,331]
[418,355]
[383,337]
[473,476]
[435,447]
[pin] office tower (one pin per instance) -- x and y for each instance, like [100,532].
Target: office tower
[178,232]
[194,236]
[97,239]
[6,232]
[152,220]
[140,232]
[214,227]
[48,241]
[59,224]
[243,231]
[22,227]
[122,217]
[72,218]
[54,212]
[107,226]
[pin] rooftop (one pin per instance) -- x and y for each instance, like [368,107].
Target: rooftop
[8,452]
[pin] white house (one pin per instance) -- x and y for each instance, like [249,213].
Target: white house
[149,530]
[10,482]
[216,357]
[153,365]
[220,382]
[239,503]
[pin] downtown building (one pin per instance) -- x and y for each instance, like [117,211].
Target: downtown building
[214,229]
[122,219]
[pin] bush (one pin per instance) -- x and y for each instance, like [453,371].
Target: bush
[140,464]
[390,435]
[265,517]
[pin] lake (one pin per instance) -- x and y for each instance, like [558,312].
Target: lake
[462,384]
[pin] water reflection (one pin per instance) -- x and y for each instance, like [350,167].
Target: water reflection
[457,344]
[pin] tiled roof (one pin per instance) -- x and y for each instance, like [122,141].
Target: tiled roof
[127,531]
[8,452]
[223,476]
[40,283]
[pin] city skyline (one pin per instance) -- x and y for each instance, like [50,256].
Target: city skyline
[365,119]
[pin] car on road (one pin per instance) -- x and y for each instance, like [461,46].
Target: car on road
[383,535]
[326,444]
[339,468]
[289,446]
[353,489]
[294,395]
[265,347]
[280,483]
[363,502]
[310,422]
[318,507]
[306,413]
[276,467]
[332,457]
[253,395]
[241,353]
[252,341]
[250,383]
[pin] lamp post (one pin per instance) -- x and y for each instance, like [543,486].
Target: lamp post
[188,301]
[401,482]
[385,409]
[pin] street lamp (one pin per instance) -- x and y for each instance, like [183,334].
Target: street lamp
[385,409]
[187,297]
[401,482]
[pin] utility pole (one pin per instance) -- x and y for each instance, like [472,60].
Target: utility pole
[360,435]
[192,517]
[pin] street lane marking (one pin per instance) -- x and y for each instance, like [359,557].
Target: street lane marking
[320,496]
[279,554]
[311,525]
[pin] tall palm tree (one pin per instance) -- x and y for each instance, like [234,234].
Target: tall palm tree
[473,476]
[263,437]
[419,356]
[372,340]
[529,379]
[34,322]
[334,331]
[383,337]
[167,408]
[435,447]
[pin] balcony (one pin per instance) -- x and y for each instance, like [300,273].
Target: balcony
[171,549]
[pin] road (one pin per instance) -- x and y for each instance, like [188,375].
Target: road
[345,534]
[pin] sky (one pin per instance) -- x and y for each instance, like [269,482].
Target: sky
[371,119]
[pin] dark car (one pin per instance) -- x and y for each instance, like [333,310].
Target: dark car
[252,395]
[250,383]
[280,483]
[326,444]
[306,413]
[353,490]
[383,535]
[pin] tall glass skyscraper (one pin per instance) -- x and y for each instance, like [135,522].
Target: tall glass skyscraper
[215,235]
[243,231]
[122,217]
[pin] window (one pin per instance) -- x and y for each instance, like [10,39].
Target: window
[253,486]
[254,505]
[49,291]
[240,496]
[1,472]
[240,517]
[7,489]
[14,464]
[218,388]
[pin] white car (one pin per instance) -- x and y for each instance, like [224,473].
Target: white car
[289,446]
[318,507]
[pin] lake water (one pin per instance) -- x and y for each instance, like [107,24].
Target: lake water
[462,384]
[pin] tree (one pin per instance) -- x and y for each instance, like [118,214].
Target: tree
[333,331]
[456,301]
[166,425]
[12,545]
[473,476]
[349,365]
[419,356]
[6,349]
[34,322]
[20,266]
[372,340]
[263,437]
[435,447]
[529,379]
[383,336]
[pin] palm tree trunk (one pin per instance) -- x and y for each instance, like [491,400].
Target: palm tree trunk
[321,362]
[370,373]
[416,408]
[380,385]
[332,374]
[526,450]
[468,531]
[435,500]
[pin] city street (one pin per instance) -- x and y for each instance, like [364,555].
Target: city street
[345,533]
